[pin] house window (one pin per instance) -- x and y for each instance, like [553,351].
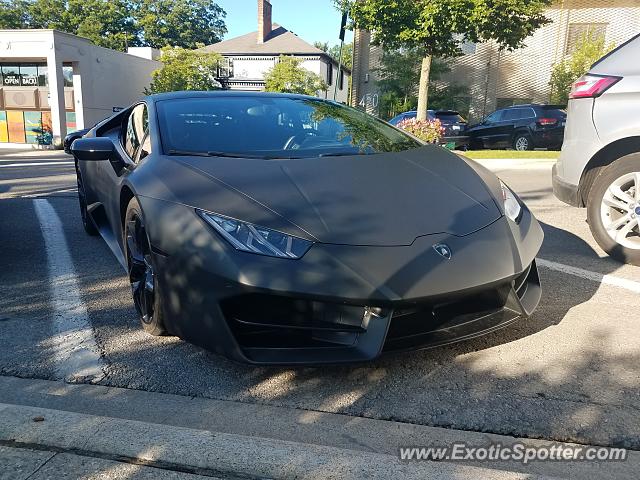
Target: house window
[67,74]
[43,76]
[578,30]
[225,68]
[29,75]
[330,74]
[11,75]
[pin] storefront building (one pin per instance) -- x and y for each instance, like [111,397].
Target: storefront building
[52,83]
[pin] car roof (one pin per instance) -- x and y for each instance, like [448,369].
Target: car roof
[445,112]
[223,93]
[534,105]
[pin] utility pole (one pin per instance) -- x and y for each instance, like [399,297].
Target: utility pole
[343,26]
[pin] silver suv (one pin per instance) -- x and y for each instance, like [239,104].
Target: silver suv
[599,166]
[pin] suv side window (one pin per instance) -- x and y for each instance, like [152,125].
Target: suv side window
[495,117]
[135,130]
[512,114]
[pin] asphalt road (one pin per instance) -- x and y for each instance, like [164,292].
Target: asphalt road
[571,372]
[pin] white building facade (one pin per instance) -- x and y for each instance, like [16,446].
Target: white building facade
[249,57]
[52,83]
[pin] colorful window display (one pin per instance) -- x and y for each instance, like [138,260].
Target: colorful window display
[4,133]
[17,126]
[15,123]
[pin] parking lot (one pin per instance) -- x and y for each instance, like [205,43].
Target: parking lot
[571,372]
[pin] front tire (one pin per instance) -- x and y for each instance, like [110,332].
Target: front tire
[522,142]
[613,209]
[142,273]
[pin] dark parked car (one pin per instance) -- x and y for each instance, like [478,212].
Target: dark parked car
[521,127]
[68,140]
[286,229]
[454,126]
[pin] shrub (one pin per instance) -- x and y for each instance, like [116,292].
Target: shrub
[289,76]
[429,131]
[184,69]
[588,50]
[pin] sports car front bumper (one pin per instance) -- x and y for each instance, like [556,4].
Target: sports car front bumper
[341,303]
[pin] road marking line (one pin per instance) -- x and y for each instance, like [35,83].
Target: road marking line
[50,193]
[630,285]
[34,164]
[75,350]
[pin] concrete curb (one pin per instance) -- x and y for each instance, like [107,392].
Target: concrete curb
[218,453]
[280,427]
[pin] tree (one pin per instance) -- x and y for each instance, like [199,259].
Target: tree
[106,23]
[185,70]
[120,23]
[438,27]
[181,23]
[334,52]
[400,73]
[288,76]
[12,13]
[588,49]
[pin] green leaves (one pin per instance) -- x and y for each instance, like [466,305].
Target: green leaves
[181,23]
[437,27]
[287,76]
[588,49]
[185,70]
[120,23]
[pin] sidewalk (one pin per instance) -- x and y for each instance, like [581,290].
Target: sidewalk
[25,463]
[232,440]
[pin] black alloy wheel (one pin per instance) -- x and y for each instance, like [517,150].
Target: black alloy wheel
[142,275]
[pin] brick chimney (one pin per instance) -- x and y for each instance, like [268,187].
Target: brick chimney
[264,20]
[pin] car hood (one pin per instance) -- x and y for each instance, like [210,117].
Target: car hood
[386,199]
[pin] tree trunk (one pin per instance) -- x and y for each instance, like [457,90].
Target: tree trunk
[423,92]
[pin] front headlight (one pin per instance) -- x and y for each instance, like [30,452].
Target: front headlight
[512,207]
[252,238]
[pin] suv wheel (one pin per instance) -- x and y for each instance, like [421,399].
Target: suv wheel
[522,142]
[613,209]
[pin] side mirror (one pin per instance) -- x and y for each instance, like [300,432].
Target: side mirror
[92,149]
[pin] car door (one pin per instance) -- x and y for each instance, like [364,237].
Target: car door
[506,127]
[132,142]
[484,133]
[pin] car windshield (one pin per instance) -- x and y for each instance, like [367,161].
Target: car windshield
[273,127]
[450,117]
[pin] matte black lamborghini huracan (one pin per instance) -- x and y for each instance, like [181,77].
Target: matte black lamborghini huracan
[286,229]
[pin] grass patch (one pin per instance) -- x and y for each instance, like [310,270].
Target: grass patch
[511,154]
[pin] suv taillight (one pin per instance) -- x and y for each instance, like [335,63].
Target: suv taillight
[547,121]
[591,86]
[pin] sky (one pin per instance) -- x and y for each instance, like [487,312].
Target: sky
[311,20]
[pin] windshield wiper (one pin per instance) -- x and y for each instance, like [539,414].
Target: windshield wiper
[342,154]
[212,153]
[187,153]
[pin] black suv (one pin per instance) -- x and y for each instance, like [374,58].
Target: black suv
[521,127]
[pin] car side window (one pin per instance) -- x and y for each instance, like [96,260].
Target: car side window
[136,129]
[494,117]
[512,114]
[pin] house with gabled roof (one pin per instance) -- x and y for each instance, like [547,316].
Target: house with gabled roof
[248,57]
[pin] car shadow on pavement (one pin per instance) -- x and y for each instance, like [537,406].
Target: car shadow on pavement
[567,373]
